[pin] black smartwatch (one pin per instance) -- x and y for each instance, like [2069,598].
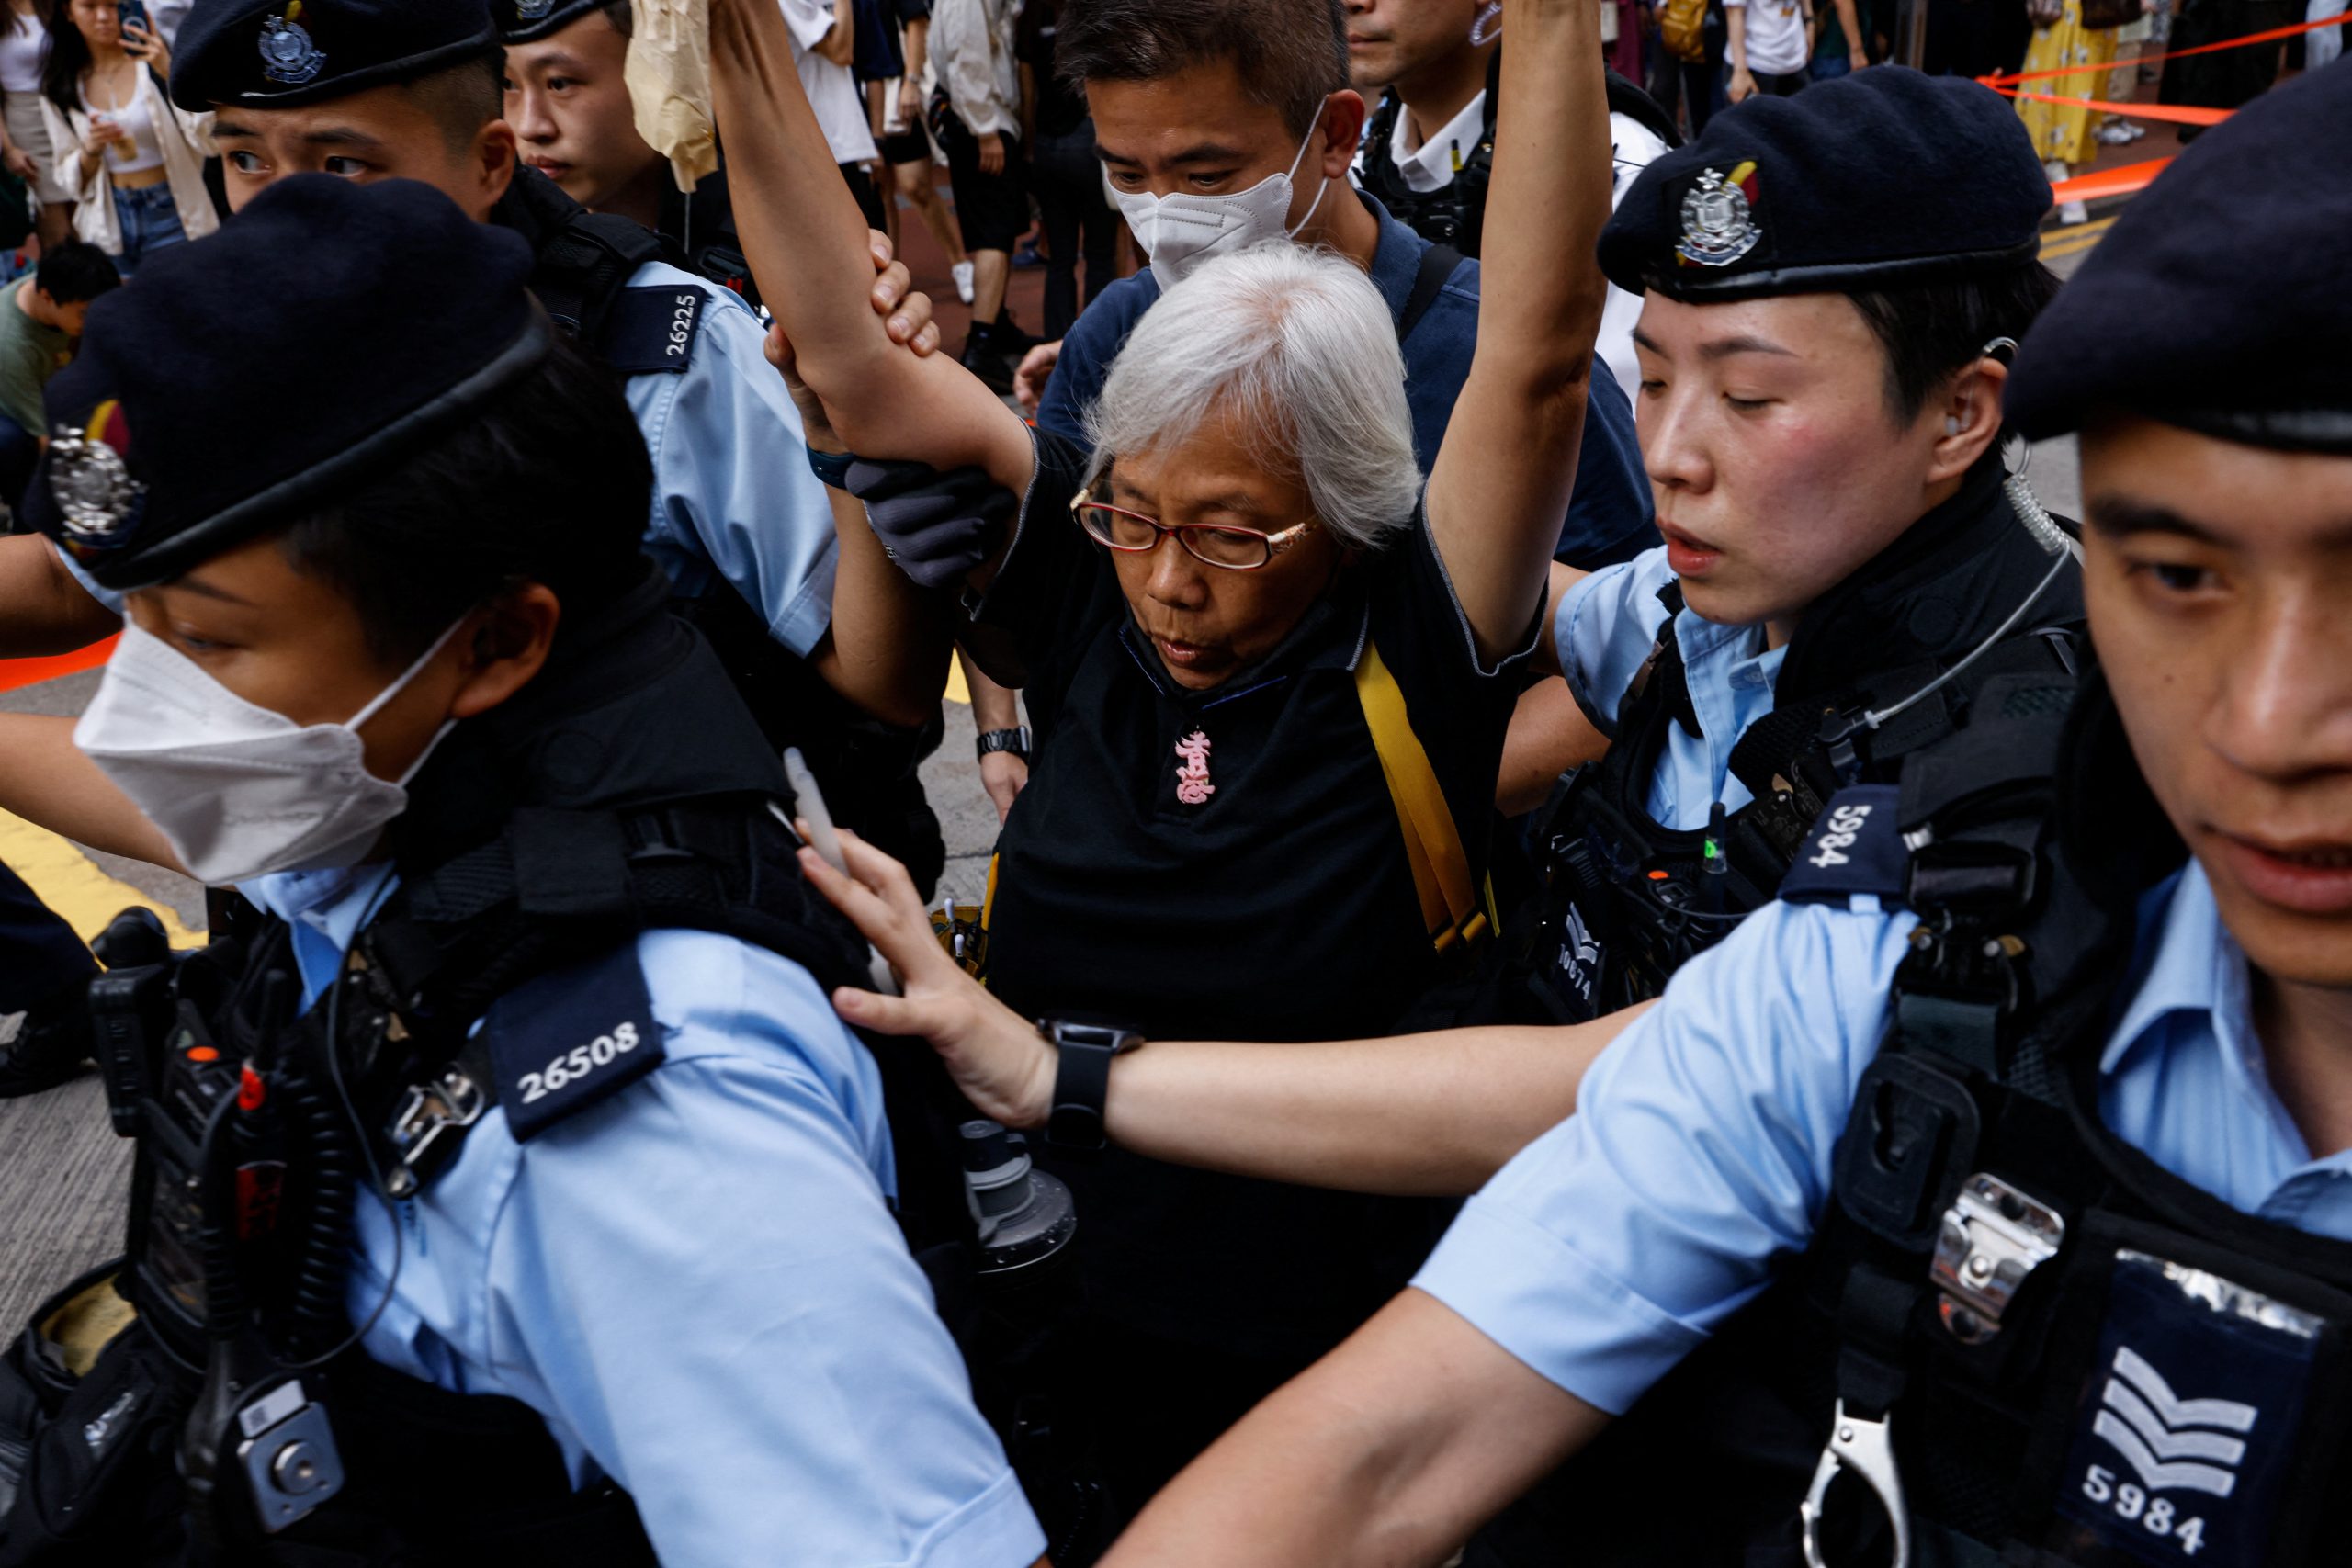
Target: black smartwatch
[1013,740]
[1083,1082]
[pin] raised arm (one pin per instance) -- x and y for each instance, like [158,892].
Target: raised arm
[1502,478]
[44,609]
[806,244]
[46,780]
[1416,1114]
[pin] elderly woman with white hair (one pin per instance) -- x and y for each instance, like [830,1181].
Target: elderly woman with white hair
[1269,669]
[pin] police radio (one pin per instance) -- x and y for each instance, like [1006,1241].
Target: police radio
[221,1130]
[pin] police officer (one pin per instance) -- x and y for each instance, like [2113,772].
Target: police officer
[1428,150]
[366,91]
[420,86]
[1848,574]
[515,1199]
[570,105]
[2002,1167]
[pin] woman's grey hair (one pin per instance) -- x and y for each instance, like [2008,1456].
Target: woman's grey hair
[1300,349]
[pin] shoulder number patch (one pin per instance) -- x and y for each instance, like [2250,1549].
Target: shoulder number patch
[1855,847]
[570,1038]
[652,331]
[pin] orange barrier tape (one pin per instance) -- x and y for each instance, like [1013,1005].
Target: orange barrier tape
[2272,35]
[2119,181]
[2177,114]
[15,672]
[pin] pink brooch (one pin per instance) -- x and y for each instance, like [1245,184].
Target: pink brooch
[1193,786]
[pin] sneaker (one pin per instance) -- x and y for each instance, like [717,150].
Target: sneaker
[49,1044]
[963,271]
[2074,212]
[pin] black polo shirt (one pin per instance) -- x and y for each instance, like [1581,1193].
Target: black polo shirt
[1280,907]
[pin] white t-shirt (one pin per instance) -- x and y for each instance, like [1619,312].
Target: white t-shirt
[1775,36]
[832,91]
[23,48]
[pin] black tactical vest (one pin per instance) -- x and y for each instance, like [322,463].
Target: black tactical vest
[2014,1333]
[1626,901]
[866,768]
[626,790]
[1456,213]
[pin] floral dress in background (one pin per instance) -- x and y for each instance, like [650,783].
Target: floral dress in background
[2063,131]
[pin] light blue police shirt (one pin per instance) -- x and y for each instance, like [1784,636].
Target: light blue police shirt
[696,1281]
[1610,1248]
[733,496]
[1605,630]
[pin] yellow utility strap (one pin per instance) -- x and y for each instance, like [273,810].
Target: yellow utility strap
[1450,907]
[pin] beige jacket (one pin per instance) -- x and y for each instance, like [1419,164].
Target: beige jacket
[186,141]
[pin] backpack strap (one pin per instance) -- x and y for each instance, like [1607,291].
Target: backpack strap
[1438,264]
[1451,907]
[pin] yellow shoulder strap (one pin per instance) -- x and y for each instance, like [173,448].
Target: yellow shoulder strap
[1450,907]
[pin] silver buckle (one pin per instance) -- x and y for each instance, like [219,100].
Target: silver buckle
[427,1112]
[1867,1448]
[1993,1238]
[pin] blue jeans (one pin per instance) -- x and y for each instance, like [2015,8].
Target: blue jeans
[1829,65]
[149,222]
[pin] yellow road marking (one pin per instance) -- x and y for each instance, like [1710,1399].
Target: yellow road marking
[71,883]
[958,691]
[2079,238]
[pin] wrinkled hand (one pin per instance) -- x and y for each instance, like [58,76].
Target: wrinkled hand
[1004,776]
[991,153]
[1036,369]
[995,1055]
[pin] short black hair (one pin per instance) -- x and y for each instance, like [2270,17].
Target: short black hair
[624,20]
[1931,332]
[551,485]
[74,271]
[1292,54]
[463,97]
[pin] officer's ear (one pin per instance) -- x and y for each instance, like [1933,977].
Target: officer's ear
[1969,417]
[507,647]
[496,153]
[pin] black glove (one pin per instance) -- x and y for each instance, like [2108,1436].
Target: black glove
[936,525]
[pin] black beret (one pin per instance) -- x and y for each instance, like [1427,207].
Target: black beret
[1883,177]
[276,53]
[2218,300]
[527,21]
[327,330]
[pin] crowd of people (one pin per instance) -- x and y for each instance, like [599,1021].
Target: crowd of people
[1607,942]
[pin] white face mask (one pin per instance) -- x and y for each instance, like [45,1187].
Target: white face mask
[240,791]
[1180,232]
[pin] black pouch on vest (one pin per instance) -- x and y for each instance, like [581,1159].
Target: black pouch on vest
[2210,1414]
[98,1483]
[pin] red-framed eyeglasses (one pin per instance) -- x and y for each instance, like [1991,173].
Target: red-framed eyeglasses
[1211,543]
